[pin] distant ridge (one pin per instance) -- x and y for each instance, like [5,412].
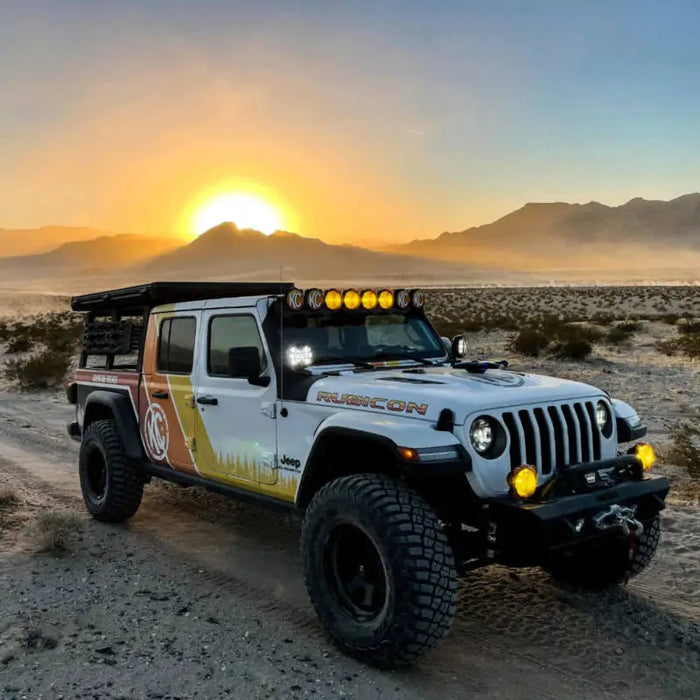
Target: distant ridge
[227,250]
[650,233]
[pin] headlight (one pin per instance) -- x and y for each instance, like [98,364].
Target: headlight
[602,417]
[481,435]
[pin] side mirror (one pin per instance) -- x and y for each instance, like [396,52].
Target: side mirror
[447,343]
[459,347]
[245,363]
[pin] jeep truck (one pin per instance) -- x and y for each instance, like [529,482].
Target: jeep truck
[410,465]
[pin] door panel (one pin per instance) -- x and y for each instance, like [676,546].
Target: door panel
[236,430]
[167,399]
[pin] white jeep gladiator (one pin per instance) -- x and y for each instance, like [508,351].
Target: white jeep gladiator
[409,465]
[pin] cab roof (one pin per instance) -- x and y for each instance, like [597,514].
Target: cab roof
[157,293]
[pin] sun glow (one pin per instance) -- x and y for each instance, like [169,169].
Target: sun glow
[244,210]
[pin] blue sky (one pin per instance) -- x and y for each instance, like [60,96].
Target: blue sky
[390,119]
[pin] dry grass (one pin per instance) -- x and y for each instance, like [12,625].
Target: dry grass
[54,531]
[33,638]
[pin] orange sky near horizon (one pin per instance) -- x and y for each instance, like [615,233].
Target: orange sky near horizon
[369,123]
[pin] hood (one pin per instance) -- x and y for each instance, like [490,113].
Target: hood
[423,393]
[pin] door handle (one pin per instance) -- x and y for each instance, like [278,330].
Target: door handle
[160,395]
[208,400]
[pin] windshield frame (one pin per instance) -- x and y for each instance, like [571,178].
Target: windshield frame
[437,354]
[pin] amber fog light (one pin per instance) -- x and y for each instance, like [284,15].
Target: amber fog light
[523,481]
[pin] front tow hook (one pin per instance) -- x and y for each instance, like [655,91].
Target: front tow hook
[622,517]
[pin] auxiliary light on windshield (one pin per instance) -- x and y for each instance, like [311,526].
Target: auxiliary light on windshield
[300,356]
[353,300]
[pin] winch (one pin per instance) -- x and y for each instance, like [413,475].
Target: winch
[617,516]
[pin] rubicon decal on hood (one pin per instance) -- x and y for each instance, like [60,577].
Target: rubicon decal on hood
[382,403]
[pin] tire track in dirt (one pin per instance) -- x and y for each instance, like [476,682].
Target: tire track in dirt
[511,627]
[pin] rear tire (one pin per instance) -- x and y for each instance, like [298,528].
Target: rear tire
[378,568]
[112,487]
[609,563]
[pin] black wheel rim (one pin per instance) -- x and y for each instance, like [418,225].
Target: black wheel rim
[96,473]
[355,573]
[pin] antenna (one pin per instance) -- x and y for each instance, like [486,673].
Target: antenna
[281,335]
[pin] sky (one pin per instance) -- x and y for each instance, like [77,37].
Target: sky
[361,121]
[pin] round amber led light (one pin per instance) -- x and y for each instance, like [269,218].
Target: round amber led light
[523,481]
[369,299]
[351,299]
[386,299]
[645,454]
[334,299]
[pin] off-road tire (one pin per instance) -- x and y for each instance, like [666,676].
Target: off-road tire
[610,563]
[416,558]
[122,487]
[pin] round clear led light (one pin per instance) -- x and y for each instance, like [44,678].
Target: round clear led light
[418,298]
[481,435]
[315,299]
[295,299]
[403,298]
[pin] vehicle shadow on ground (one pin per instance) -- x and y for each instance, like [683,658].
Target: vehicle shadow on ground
[632,642]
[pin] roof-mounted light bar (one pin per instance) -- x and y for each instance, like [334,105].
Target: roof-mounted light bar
[353,300]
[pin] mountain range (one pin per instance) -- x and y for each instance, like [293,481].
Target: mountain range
[554,241]
[556,235]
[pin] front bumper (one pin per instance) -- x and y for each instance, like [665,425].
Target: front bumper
[560,515]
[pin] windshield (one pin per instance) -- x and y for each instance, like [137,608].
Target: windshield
[343,335]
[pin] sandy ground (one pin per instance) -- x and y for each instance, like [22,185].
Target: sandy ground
[202,597]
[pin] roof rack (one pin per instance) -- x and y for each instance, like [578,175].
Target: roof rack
[156,293]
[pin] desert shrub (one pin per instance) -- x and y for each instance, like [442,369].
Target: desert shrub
[54,530]
[622,332]
[576,348]
[567,333]
[8,498]
[688,345]
[670,319]
[34,639]
[19,343]
[686,326]
[529,342]
[631,326]
[42,370]
[685,448]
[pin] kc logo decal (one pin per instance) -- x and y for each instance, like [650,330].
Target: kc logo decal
[155,430]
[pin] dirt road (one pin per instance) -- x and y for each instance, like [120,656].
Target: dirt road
[201,597]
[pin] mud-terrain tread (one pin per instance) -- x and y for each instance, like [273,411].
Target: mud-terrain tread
[124,482]
[608,568]
[417,552]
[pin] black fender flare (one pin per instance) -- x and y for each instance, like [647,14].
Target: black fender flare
[315,473]
[121,409]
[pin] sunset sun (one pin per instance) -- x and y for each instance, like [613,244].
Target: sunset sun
[244,210]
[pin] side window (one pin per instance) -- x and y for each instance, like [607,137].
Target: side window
[226,332]
[176,345]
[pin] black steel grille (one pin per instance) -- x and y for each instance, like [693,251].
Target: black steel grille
[553,436]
